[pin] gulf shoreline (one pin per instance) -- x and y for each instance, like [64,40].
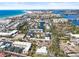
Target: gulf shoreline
[16,15]
[24,12]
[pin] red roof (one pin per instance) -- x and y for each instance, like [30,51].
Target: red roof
[2,54]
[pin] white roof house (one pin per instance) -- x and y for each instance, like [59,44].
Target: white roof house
[47,26]
[21,44]
[60,20]
[41,50]
[75,35]
[36,30]
[8,33]
[73,55]
[5,22]
[74,38]
[12,32]
[26,49]
[25,45]
[47,38]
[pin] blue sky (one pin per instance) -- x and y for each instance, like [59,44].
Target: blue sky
[39,5]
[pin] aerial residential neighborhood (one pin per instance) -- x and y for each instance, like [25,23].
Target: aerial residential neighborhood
[39,33]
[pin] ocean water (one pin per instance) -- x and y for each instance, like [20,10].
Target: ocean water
[9,13]
[73,17]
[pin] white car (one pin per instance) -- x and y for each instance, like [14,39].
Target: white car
[1,43]
[7,44]
[3,46]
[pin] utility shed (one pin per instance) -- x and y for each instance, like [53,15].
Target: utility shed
[41,50]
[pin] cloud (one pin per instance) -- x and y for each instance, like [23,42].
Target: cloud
[39,5]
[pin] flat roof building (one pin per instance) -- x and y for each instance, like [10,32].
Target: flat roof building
[25,45]
[74,38]
[11,33]
[42,50]
[73,55]
[57,20]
